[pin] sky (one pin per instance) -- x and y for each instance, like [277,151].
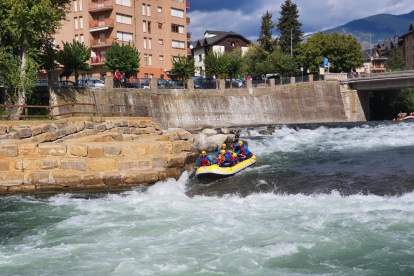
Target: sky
[244,16]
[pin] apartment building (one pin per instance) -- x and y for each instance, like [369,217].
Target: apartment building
[158,28]
[407,46]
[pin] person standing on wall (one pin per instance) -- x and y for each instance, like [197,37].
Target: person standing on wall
[117,78]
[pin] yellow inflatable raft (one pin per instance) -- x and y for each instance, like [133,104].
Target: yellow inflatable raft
[215,171]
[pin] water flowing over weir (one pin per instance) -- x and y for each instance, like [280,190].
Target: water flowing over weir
[325,200]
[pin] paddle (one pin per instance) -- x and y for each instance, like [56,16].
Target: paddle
[257,159]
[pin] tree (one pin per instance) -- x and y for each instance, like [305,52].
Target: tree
[254,61]
[282,63]
[25,27]
[343,51]
[183,67]
[396,60]
[73,57]
[234,63]
[215,63]
[266,41]
[125,57]
[289,27]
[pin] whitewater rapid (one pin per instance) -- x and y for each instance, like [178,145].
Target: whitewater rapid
[253,224]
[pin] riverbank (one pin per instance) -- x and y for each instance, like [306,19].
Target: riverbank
[90,154]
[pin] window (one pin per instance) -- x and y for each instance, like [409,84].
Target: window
[149,43]
[143,9]
[150,60]
[124,2]
[82,39]
[125,19]
[151,76]
[161,58]
[81,22]
[145,43]
[80,5]
[233,44]
[177,29]
[148,10]
[145,59]
[76,37]
[149,27]
[146,75]
[178,44]
[159,9]
[179,1]
[75,5]
[144,26]
[76,23]
[177,13]
[160,41]
[200,58]
[159,25]
[123,36]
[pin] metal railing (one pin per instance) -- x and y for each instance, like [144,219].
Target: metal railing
[72,109]
[100,5]
[382,74]
[101,23]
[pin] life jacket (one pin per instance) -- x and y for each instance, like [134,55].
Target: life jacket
[220,158]
[203,160]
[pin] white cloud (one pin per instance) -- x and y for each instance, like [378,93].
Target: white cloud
[314,14]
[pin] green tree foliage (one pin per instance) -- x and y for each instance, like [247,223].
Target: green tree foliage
[279,62]
[73,57]
[254,61]
[125,57]
[288,21]
[183,67]
[234,63]
[26,25]
[215,63]
[396,60]
[266,41]
[343,51]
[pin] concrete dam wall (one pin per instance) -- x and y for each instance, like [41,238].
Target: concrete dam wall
[315,102]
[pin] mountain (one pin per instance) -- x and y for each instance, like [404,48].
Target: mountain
[380,26]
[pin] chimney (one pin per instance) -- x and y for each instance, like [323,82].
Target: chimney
[396,39]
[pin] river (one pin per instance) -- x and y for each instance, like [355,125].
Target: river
[325,200]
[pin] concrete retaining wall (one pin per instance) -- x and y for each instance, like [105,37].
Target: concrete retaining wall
[315,102]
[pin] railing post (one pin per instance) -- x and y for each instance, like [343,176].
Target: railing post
[130,110]
[73,110]
[26,112]
[94,110]
[292,80]
[113,111]
[310,77]
[51,113]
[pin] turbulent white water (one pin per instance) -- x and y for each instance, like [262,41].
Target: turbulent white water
[167,230]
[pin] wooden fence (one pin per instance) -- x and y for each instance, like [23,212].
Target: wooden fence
[72,110]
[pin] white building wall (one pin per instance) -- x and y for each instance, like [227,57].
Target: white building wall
[197,53]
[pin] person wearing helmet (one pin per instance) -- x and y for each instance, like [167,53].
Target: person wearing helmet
[204,160]
[235,158]
[244,152]
[224,159]
[223,147]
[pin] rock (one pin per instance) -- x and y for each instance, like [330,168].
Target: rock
[136,165]
[90,125]
[37,130]
[218,139]
[209,132]
[8,150]
[39,178]
[92,179]
[230,138]
[66,178]
[266,131]
[95,152]
[132,178]
[112,151]
[22,188]
[170,173]
[177,160]
[78,150]
[49,164]
[202,143]
[26,164]
[52,149]
[25,133]
[98,165]
[225,131]
[4,165]
[112,179]
[70,129]
[26,149]
[72,164]
[3,130]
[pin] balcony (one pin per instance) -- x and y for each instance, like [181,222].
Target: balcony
[188,20]
[188,35]
[187,4]
[98,25]
[101,6]
[99,60]
[100,43]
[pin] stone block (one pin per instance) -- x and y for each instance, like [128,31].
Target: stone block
[53,136]
[124,123]
[4,165]
[150,130]
[133,178]
[3,130]
[70,129]
[27,149]
[180,145]
[40,138]
[158,126]
[80,126]
[92,179]
[112,179]
[133,151]
[101,127]
[36,130]
[167,148]
[9,150]
[170,173]
[21,188]
[159,162]
[49,164]
[98,165]
[125,165]
[128,137]
[111,151]
[52,149]
[15,178]
[90,125]
[73,164]
[142,124]
[25,133]
[153,149]
[15,135]
[27,164]
[78,150]
[89,132]
[118,137]
[3,189]
[176,161]
[107,138]
[37,178]
[95,152]
[126,130]
[66,178]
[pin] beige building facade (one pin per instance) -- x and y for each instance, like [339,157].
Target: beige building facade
[407,47]
[158,29]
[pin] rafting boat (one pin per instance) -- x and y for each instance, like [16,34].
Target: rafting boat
[405,118]
[215,171]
